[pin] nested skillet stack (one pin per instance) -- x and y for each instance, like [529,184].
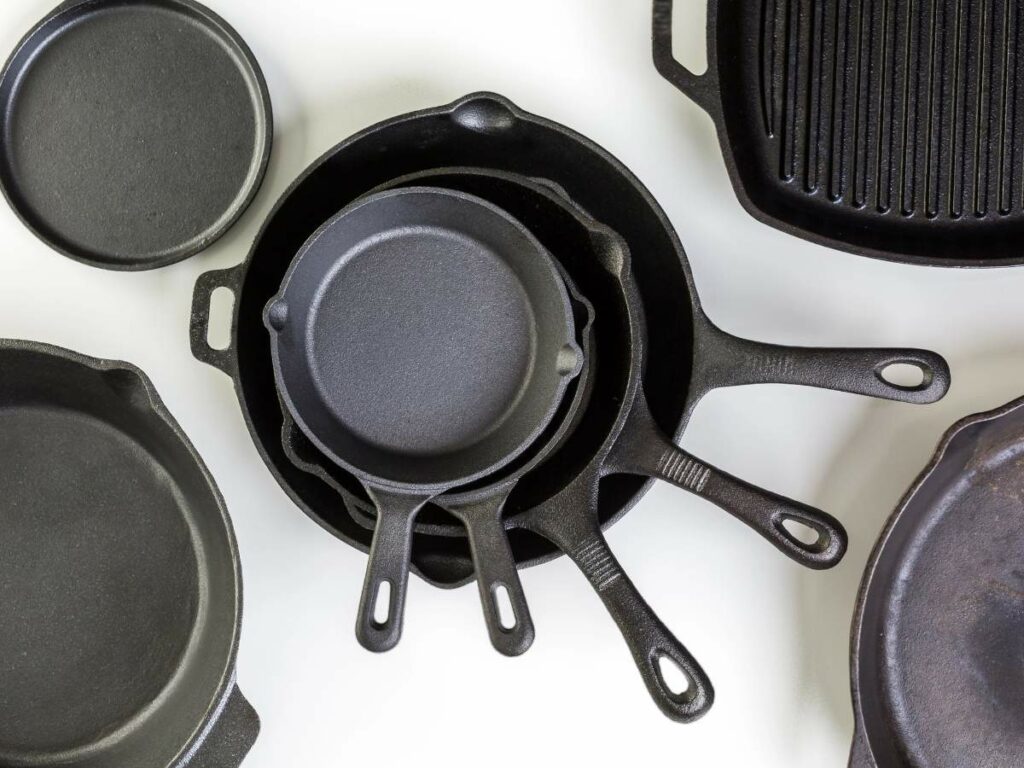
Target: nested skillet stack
[625,366]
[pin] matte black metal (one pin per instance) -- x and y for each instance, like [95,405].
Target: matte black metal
[487,130]
[422,339]
[134,133]
[937,660]
[887,129]
[119,576]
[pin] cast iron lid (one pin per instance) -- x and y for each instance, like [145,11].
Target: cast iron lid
[134,133]
[938,638]
[119,576]
[888,129]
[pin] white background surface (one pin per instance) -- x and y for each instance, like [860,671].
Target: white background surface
[772,635]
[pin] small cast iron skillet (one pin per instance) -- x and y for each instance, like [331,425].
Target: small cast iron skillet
[422,339]
[937,651]
[119,563]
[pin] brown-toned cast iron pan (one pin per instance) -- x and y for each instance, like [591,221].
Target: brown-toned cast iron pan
[937,654]
[119,564]
[889,129]
[422,339]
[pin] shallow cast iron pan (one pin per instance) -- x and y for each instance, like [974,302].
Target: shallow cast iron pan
[888,129]
[937,653]
[134,133]
[482,130]
[119,576]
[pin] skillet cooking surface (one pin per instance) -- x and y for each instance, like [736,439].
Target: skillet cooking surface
[889,128]
[941,634]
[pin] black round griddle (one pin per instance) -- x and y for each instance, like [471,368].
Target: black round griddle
[134,133]
[938,638]
[888,129]
[422,339]
[119,564]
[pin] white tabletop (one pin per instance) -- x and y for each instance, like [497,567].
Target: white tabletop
[773,636]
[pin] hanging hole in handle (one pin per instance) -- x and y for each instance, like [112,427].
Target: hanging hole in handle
[503,607]
[689,35]
[218,329]
[382,605]
[906,375]
[676,679]
[808,536]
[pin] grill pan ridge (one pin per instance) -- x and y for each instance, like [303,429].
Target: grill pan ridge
[888,128]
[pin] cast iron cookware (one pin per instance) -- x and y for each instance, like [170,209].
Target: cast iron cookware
[487,130]
[423,339]
[134,133]
[888,129]
[119,562]
[937,666]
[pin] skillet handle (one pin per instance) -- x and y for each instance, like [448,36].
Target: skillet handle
[724,360]
[387,572]
[199,324]
[700,88]
[860,752]
[231,737]
[495,571]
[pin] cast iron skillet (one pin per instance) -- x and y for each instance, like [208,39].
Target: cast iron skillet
[937,653]
[422,339]
[893,130]
[119,562]
[134,133]
[488,131]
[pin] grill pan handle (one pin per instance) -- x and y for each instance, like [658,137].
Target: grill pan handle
[199,325]
[643,449]
[231,737]
[390,560]
[702,89]
[723,360]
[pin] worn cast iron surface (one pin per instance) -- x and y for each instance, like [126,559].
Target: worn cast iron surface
[888,129]
[938,637]
[119,576]
[134,133]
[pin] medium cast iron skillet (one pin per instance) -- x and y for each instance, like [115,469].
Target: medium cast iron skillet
[118,561]
[134,133]
[422,339]
[888,129]
[937,654]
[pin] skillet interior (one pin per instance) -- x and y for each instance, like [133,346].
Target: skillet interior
[117,559]
[482,130]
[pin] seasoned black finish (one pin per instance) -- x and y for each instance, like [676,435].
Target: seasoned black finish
[422,339]
[134,133]
[938,638]
[119,576]
[888,128]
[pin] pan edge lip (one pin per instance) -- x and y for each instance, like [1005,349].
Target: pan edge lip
[255,81]
[938,458]
[156,404]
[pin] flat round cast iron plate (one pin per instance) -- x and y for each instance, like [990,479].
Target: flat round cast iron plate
[133,133]
[938,638]
[119,577]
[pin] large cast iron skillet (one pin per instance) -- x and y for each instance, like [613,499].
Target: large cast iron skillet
[887,129]
[937,653]
[119,568]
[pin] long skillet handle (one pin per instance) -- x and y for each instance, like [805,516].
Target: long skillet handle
[387,572]
[644,450]
[496,572]
[568,520]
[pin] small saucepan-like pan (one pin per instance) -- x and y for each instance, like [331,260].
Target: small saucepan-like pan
[937,652]
[422,339]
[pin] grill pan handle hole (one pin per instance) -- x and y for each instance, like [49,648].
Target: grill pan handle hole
[218,331]
[908,376]
[675,678]
[807,536]
[382,605]
[503,608]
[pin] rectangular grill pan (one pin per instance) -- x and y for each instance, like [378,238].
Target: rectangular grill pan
[888,128]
